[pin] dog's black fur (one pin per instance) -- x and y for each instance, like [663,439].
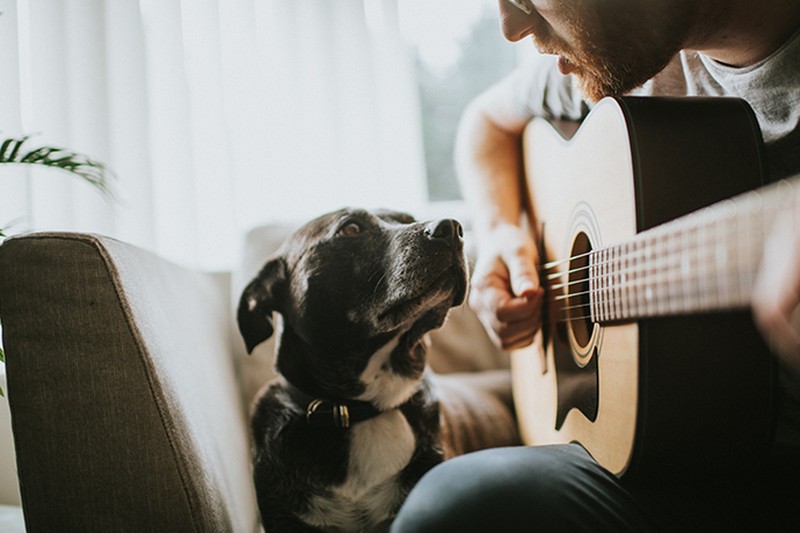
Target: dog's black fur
[356,292]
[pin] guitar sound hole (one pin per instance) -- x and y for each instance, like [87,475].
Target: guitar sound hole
[578,291]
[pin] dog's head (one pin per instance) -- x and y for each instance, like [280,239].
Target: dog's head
[357,291]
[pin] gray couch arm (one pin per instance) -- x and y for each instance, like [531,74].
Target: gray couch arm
[125,407]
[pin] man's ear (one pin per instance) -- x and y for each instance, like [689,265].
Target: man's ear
[259,299]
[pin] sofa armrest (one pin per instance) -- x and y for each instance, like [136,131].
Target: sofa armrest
[124,404]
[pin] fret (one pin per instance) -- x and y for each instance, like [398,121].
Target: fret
[617,283]
[609,292]
[745,235]
[702,262]
[612,300]
[690,264]
[747,257]
[704,271]
[626,276]
[598,300]
[720,262]
[606,286]
[724,256]
[592,299]
[663,274]
[650,276]
[662,305]
[673,268]
[614,279]
[757,224]
[641,278]
[685,268]
[740,262]
[599,285]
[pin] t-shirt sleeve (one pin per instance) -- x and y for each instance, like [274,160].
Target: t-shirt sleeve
[540,90]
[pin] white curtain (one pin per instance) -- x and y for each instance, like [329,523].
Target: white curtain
[215,115]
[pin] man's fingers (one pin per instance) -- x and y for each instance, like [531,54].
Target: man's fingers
[515,322]
[521,308]
[522,271]
[519,334]
[505,288]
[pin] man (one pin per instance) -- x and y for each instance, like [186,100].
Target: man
[615,47]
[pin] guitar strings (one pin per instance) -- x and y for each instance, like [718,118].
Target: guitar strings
[618,294]
[667,264]
[732,217]
[658,273]
[703,238]
[638,248]
[616,285]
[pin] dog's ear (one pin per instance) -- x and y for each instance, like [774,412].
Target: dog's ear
[394,216]
[259,299]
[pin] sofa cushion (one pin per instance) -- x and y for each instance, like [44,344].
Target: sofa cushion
[124,403]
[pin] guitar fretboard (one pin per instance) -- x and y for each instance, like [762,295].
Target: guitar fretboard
[703,261]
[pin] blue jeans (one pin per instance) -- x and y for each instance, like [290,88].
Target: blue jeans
[560,488]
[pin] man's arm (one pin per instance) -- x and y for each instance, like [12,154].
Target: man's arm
[505,285]
[505,288]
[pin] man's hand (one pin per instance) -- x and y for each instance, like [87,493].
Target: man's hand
[505,287]
[776,295]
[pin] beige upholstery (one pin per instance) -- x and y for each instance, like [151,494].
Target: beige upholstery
[124,403]
[129,385]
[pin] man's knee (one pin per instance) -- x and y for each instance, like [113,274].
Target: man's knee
[500,488]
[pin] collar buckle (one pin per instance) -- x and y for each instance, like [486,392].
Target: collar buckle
[327,413]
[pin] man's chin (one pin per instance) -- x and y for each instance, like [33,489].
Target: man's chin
[596,87]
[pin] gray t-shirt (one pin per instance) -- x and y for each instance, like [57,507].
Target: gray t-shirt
[771,87]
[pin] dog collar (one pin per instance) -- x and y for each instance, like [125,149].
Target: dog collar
[323,412]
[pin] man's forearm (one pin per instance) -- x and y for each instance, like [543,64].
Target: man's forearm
[488,163]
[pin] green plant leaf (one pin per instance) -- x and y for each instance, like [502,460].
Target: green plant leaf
[4,147]
[16,148]
[93,172]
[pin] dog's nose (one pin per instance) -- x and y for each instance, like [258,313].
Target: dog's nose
[446,229]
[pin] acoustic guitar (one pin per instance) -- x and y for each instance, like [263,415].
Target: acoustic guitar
[648,356]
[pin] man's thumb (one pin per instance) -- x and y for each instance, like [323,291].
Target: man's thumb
[523,276]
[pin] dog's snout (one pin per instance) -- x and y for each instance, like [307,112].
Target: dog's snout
[445,229]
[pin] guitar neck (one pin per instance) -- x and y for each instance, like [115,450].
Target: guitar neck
[704,261]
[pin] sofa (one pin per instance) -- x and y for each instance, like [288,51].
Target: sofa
[129,387]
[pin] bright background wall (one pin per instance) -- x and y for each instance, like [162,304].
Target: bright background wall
[220,115]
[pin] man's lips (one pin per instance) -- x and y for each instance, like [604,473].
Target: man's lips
[565,66]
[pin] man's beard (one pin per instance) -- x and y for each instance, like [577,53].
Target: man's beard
[599,77]
[613,61]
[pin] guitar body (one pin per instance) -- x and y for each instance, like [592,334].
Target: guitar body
[663,395]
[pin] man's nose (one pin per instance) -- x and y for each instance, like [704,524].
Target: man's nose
[516,25]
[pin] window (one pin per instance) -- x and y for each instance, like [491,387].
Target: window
[459,52]
[220,116]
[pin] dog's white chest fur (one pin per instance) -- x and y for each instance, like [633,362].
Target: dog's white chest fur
[379,450]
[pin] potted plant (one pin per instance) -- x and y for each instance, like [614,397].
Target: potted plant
[14,152]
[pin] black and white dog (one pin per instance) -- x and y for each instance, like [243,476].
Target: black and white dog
[355,418]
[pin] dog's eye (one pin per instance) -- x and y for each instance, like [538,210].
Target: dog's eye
[351,229]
